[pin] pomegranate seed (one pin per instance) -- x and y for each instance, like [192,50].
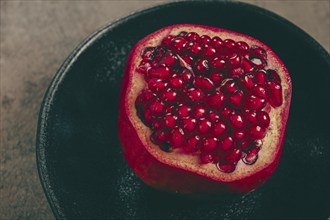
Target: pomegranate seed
[178,44]
[263,119]
[147,53]
[192,36]
[230,44]
[145,97]
[219,129]
[218,64]
[234,156]
[258,63]
[177,137]
[216,78]
[215,100]
[206,158]
[156,85]
[226,168]
[208,51]
[156,107]
[251,157]
[204,125]
[259,91]
[189,124]
[176,83]
[239,135]
[226,144]
[194,49]
[167,40]
[260,77]
[213,116]
[208,144]
[243,48]
[169,96]
[257,132]
[199,111]
[234,60]
[255,103]
[169,60]
[183,110]
[161,72]
[188,59]
[247,65]
[204,84]
[186,75]
[205,39]
[230,86]
[274,91]
[272,74]
[170,121]
[182,33]
[159,136]
[226,112]
[217,43]
[236,72]
[201,66]
[247,81]
[170,109]
[236,99]
[157,124]
[244,143]
[148,116]
[237,120]
[195,95]
[251,116]
[192,144]
[258,52]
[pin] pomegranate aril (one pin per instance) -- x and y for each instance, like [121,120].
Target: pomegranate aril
[251,157]
[169,60]
[187,76]
[236,99]
[236,72]
[187,59]
[178,44]
[258,63]
[147,53]
[192,36]
[237,121]
[156,85]
[204,125]
[255,103]
[159,136]
[194,49]
[216,78]
[230,86]
[258,52]
[274,92]
[208,144]
[206,158]
[226,144]
[233,157]
[260,77]
[189,124]
[244,143]
[217,42]
[176,83]
[204,39]
[218,64]
[161,72]
[208,51]
[148,116]
[195,95]
[234,60]
[177,137]
[144,98]
[219,129]
[247,81]
[192,144]
[263,119]
[226,168]
[183,110]
[247,65]
[239,135]
[230,44]
[156,107]
[157,124]
[170,121]
[201,66]
[251,116]
[225,112]
[215,100]
[259,91]
[243,48]
[199,111]
[167,40]
[169,96]
[204,84]
[257,132]
[272,74]
[213,116]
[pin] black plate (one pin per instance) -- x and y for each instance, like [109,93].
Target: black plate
[80,162]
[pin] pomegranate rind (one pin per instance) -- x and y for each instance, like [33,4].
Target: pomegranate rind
[183,173]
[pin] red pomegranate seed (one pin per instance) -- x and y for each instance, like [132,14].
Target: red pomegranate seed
[219,129]
[215,100]
[208,51]
[204,39]
[258,63]
[260,77]
[226,144]
[178,44]
[226,168]
[204,84]
[195,95]
[176,83]
[225,112]
[167,40]
[170,121]
[218,64]
[157,124]
[177,137]
[204,125]
[216,78]
[259,91]
[263,119]
[236,99]
[161,72]
[148,116]
[247,65]
[257,132]
[187,58]
[194,49]
[169,60]
[272,74]
[156,107]
[192,144]
[244,143]
[156,85]
[230,44]
[208,145]
[251,116]
[239,135]
[255,103]
[247,81]
[147,53]
[199,111]
[189,124]
[234,156]
[258,52]
[186,75]
[192,36]
[213,116]
[217,43]
[243,48]
[237,121]
[206,158]
[234,59]
[251,157]
[169,96]
[274,91]
[230,86]
[183,110]
[201,66]
[236,72]
[145,97]
[159,136]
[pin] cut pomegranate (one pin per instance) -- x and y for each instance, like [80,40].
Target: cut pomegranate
[203,110]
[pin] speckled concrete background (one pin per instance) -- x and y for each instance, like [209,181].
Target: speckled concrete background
[36,37]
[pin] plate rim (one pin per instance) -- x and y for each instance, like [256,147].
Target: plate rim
[47,100]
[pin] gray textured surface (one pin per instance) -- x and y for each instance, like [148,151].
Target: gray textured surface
[36,37]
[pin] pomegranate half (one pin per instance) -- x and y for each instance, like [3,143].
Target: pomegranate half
[203,110]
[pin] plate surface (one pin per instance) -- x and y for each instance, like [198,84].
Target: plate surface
[80,162]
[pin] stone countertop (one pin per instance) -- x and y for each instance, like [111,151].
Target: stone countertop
[36,37]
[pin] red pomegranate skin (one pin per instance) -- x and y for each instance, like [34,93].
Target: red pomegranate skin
[171,177]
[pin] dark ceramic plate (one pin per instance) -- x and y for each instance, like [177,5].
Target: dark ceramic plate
[80,162]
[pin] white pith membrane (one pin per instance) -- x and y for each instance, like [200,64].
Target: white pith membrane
[191,162]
